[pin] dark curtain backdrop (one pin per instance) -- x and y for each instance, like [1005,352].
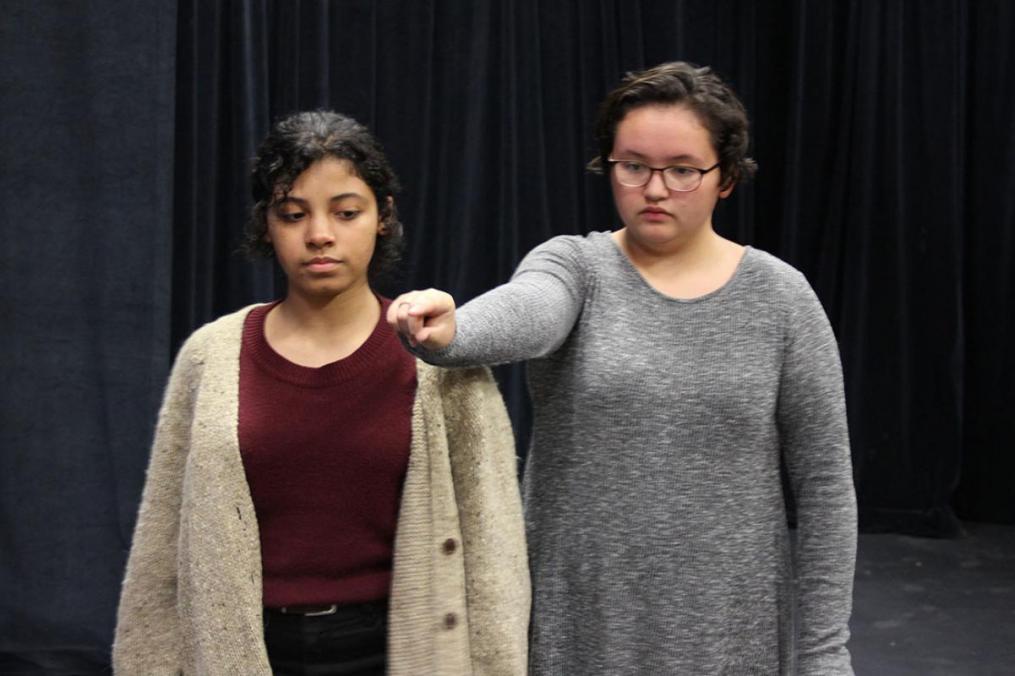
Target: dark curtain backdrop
[86,195]
[884,132]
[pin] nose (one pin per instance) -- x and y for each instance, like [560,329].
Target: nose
[655,189]
[319,233]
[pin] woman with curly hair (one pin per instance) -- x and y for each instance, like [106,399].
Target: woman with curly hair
[317,500]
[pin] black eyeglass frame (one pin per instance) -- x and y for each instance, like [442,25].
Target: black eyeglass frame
[662,170]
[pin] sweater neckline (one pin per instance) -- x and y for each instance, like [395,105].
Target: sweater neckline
[632,273]
[264,355]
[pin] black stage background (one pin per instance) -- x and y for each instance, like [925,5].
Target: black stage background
[883,129]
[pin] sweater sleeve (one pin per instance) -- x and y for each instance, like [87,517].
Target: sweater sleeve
[815,447]
[485,474]
[529,317]
[148,637]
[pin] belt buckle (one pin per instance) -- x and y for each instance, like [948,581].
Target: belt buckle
[330,610]
[295,610]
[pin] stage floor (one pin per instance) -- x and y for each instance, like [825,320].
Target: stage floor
[926,607]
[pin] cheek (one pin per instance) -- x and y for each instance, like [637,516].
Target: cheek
[629,202]
[621,196]
[367,245]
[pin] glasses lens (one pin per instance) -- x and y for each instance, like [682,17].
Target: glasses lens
[682,179]
[631,174]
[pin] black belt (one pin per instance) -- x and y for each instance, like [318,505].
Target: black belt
[319,610]
[307,611]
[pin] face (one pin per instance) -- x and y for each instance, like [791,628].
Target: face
[659,136]
[325,230]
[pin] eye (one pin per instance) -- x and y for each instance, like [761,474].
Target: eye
[632,167]
[348,214]
[682,172]
[289,216]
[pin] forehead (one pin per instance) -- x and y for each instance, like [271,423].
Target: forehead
[330,175]
[662,133]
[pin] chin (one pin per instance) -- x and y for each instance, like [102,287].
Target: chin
[323,292]
[655,232]
[659,239]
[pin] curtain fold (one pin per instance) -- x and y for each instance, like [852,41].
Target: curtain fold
[986,365]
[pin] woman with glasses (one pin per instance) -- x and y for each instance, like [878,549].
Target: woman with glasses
[672,371]
[318,501]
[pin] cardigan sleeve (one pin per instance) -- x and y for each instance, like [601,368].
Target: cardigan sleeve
[148,636]
[485,475]
[815,445]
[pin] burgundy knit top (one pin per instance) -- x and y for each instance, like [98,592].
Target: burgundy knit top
[325,452]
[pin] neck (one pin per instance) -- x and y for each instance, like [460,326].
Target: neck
[329,315]
[700,249]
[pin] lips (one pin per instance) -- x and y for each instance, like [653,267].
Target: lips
[321,264]
[654,214]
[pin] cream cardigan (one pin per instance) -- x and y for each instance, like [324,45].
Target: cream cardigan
[191,600]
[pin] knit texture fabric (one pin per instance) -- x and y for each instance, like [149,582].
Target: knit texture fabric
[654,508]
[191,599]
[325,452]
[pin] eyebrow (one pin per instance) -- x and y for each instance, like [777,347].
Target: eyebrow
[676,158]
[302,202]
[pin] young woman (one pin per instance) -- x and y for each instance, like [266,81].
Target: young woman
[671,370]
[318,501]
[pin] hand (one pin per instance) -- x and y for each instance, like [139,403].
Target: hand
[425,318]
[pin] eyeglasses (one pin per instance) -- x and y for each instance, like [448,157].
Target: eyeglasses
[677,177]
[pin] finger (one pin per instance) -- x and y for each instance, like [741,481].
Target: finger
[431,303]
[422,306]
[392,314]
[404,323]
[415,326]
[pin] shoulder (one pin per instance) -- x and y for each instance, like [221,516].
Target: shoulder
[589,245]
[773,283]
[577,253]
[211,338]
[776,280]
[774,272]
[804,315]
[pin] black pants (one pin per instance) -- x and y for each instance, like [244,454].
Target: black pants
[351,641]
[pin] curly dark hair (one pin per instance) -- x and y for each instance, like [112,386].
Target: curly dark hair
[297,141]
[698,88]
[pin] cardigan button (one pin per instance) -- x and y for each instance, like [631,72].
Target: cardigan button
[449,546]
[450,621]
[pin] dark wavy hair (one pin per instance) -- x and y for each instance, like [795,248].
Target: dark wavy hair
[698,88]
[297,141]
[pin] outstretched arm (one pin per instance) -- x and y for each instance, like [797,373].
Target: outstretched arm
[529,317]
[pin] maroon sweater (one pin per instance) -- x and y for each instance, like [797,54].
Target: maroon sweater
[325,452]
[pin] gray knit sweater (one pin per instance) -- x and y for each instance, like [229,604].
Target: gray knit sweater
[654,507]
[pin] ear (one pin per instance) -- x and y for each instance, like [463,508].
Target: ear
[727,189]
[387,211]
